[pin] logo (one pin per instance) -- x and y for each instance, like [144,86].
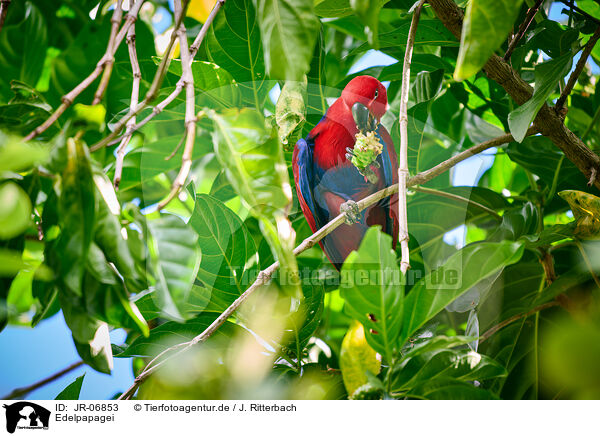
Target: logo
[26,415]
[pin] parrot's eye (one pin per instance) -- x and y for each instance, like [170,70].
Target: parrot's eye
[376,93]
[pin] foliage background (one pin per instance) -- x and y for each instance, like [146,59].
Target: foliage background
[46,50]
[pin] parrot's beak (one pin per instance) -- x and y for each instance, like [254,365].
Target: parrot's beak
[364,119]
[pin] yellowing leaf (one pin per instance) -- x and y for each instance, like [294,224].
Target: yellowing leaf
[356,358]
[586,210]
[199,9]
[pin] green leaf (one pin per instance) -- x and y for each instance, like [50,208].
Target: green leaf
[175,259]
[22,118]
[77,210]
[17,156]
[356,358]
[171,333]
[333,8]
[290,111]
[457,275]
[253,160]
[109,235]
[540,156]
[426,85]
[429,33]
[289,29]
[72,391]
[552,37]
[91,336]
[450,389]
[547,75]
[15,214]
[234,43]
[229,263]
[485,28]
[217,86]
[367,12]
[372,286]
[143,164]
[308,317]
[463,365]
[23,44]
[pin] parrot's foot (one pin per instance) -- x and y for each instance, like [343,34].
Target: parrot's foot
[353,215]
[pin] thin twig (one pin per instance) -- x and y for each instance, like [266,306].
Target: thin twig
[135,94]
[67,100]
[523,28]
[20,392]
[265,275]
[153,91]
[578,69]
[4,4]
[514,318]
[455,197]
[403,167]
[190,116]
[109,62]
[180,84]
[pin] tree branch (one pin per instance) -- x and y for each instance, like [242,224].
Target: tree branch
[67,100]
[514,318]
[578,69]
[20,392]
[135,95]
[547,120]
[154,86]
[180,84]
[190,116]
[4,4]
[523,28]
[109,62]
[403,167]
[265,275]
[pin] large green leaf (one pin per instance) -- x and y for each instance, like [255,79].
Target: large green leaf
[547,75]
[463,364]
[229,263]
[234,43]
[429,33]
[19,156]
[171,333]
[253,160]
[367,12]
[372,286]
[540,156]
[252,156]
[485,28]
[77,211]
[142,164]
[91,336]
[457,275]
[216,85]
[175,259]
[289,29]
[450,389]
[23,44]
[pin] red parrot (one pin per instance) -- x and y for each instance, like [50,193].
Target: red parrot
[326,180]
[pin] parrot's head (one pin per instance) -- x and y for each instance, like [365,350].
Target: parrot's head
[368,99]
